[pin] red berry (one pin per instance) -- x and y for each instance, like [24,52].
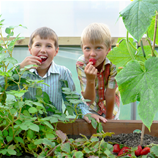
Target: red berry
[145,151]
[92,60]
[138,151]
[40,60]
[123,150]
[116,148]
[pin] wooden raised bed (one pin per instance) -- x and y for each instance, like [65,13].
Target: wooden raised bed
[80,126]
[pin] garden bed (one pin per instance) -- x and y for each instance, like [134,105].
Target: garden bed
[117,126]
[123,131]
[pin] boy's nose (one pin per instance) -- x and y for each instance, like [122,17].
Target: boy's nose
[43,50]
[93,53]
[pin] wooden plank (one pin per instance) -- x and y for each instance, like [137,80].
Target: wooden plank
[68,41]
[117,126]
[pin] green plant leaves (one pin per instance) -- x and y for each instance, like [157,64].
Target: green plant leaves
[137,16]
[120,56]
[136,84]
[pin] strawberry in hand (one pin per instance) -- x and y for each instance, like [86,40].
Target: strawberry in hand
[40,60]
[92,60]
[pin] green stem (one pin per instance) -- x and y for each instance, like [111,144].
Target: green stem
[127,43]
[155,29]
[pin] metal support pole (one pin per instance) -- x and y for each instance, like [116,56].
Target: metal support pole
[133,111]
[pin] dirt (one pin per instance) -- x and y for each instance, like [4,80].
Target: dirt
[132,139]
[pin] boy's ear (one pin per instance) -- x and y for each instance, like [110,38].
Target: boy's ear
[29,49]
[109,48]
[56,51]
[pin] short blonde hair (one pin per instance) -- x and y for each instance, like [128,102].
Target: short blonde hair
[96,33]
[44,33]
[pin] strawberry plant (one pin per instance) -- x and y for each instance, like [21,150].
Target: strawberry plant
[137,66]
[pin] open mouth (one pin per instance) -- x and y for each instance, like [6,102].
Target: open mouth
[43,58]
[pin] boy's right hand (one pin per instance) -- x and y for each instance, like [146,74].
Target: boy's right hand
[31,60]
[90,71]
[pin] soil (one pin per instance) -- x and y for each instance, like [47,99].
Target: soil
[131,139]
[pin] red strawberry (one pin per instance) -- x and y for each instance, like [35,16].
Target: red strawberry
[92,60]
[145,151]
[123,150]
[40,60]
[138,151]
[116,148]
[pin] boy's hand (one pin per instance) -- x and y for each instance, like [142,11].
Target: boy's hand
[90,71]
[30,60]
[96,117]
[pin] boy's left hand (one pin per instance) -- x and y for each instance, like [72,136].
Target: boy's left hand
[96,117]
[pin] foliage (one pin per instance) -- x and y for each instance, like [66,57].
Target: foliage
[137,66]
[81,147]
[26,127]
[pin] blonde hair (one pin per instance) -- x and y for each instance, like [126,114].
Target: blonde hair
[44,33]
[96,33]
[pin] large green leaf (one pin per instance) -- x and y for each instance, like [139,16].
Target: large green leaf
[120,56]
[138,84]
[137,16]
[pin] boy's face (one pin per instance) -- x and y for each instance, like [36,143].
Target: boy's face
[45,49]
[96,51]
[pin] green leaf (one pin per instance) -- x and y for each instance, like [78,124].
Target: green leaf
[48,142]
[11,151]
[78,154]
[30,134]
[23,127]
[137,16]
[8,30]
[2,57]
[38,141]
[18,94]
[65,147]
[11,132]
[100,127]
[19,139]
[154,149]
[48,124]
[94,123]
[11,60]
[13,111]
[137,84]
[53,120]
[9,138]
[32,110]
[3,151]
[50,135]
[34,127]
[5,133]
[120,56]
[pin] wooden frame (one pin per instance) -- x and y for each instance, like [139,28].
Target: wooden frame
[80,126]
[69,41]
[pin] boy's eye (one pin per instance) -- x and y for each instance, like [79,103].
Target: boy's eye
[98,48]
[37,45]
[87,48]
[49,46]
